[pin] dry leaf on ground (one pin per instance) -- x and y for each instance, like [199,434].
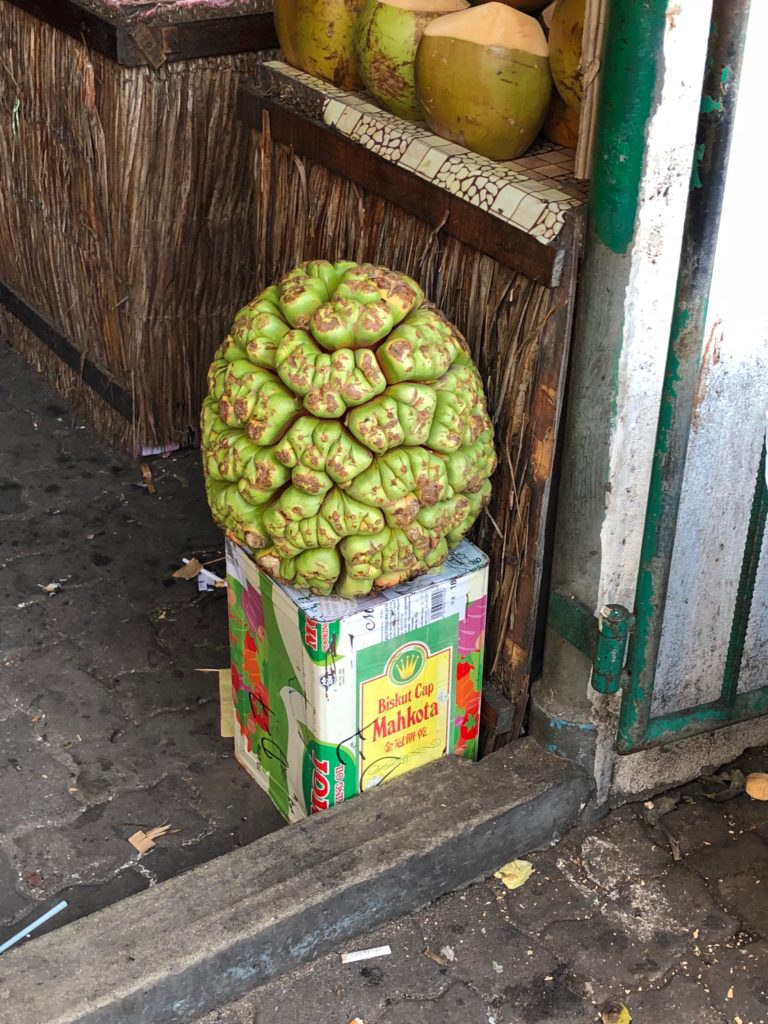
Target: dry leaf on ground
[146,472]
[515,873]
[756,785]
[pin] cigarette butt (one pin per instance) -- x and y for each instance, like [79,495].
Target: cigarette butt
[365,954]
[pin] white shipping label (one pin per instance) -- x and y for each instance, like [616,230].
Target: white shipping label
[407,612]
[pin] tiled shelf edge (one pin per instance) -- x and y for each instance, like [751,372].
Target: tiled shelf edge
[533,193]
[178,32]
[174,11]
[292,107]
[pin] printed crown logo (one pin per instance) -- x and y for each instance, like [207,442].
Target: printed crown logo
[407,663]
[407,666]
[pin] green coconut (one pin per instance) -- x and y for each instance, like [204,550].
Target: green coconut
[545,16]
[526,6]
[386,38]
[316,36]
[483,79]
[566,32]
[562,124]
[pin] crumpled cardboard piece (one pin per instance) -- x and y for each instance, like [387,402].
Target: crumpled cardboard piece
[189,570]
[144,841]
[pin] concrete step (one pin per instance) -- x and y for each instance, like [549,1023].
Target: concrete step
[205,937]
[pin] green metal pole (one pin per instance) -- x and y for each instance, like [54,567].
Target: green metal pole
[629,80]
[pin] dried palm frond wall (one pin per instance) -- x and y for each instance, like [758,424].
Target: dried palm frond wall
[124,199]
[518,330]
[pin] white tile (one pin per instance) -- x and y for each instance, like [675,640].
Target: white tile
[348,120]
[542,233]
[507,201]
[451,148]
[431,163]
[528,212]
[555,194]
[333,111]
[414,154]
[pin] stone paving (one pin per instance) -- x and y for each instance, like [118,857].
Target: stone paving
[105,724]
[663,907]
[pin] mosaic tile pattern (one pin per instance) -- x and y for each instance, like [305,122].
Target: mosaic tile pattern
[533,193]
[173,11]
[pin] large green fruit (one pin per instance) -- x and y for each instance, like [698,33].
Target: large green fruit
[386,37]
[345,436]
[316,36]
[565,36]
[483,79]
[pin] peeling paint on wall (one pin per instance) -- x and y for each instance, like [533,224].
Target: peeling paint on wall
[649,298]
[726,442]
[721,470]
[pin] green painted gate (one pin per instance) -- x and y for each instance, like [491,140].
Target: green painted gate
[639,633]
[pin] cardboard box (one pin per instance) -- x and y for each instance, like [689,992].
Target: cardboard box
[334,696]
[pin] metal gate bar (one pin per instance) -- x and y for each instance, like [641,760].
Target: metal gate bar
[746,590]
[731,707]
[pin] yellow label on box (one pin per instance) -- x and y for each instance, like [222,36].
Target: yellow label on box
[405,713]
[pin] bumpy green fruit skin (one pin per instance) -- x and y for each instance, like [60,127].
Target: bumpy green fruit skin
[345,436]
[492,100]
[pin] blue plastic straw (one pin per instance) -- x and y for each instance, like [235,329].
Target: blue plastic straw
[35,924]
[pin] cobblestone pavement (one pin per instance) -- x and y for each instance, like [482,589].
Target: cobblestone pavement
[105,724]
[662,907]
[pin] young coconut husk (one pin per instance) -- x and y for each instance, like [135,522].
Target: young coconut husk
[562,123]
[387,35]
[483,79]
[545,16]
[526,6]
[316,36]
[566,32]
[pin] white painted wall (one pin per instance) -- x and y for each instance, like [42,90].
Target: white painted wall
[730,426]
[724,451]
[721,471]
[650,295]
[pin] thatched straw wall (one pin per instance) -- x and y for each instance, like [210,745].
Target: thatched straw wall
[124,193]
[306,212]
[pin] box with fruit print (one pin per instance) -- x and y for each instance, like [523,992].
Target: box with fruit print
[334,696]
